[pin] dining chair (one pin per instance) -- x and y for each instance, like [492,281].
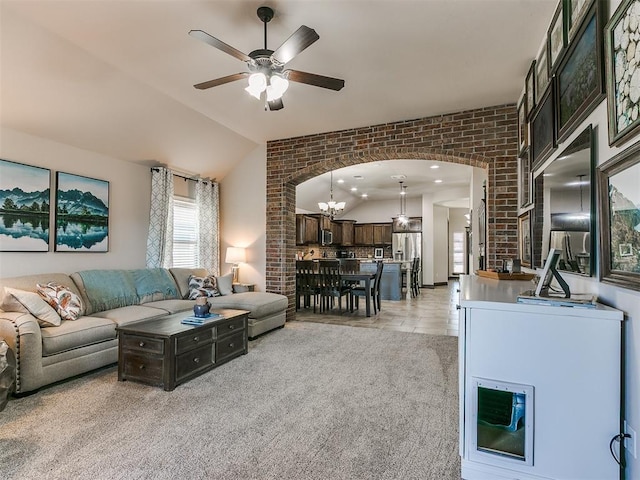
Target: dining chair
[331,286]
[415,276]
[360,291]
[306,284]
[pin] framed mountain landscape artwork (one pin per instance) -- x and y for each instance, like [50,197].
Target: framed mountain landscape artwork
[82,214]
[24,207]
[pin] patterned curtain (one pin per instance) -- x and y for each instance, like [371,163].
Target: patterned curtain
[160,239]
[207,205]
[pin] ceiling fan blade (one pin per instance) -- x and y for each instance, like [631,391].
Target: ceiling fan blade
[315,80]
[296,43]
[221,80]
[276,104]
[220,45]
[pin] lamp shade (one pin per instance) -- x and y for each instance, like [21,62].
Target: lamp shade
[235,255]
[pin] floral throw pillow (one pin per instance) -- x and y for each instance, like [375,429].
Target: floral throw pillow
[64,301]
[203,287]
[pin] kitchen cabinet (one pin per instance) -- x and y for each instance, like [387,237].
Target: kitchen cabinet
[336,231]
[307,230]
[363,234]
[346,234]
[414,224]
[382,233]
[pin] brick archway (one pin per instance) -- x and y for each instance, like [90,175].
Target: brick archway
[484,138]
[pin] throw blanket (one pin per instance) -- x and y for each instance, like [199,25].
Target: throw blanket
[154,284]
[107,289]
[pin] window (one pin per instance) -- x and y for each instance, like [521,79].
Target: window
[185,233]
[458,252]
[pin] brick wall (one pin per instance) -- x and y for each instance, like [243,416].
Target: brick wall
[484,138]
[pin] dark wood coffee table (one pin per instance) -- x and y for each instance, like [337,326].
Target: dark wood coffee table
[166,353]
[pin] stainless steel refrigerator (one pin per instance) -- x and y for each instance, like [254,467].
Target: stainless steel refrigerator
[407,246]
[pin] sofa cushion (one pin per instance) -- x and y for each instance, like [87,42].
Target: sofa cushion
[75,334]
[181,276]
[172,306]
[131,313]
[106,289]
[29,282]
[203,287]
[66,303]
[225,284]
[260,304]
[22,301]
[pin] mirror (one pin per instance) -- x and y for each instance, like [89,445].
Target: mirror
[564,211]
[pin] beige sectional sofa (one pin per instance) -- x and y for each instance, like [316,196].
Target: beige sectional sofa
[47,354]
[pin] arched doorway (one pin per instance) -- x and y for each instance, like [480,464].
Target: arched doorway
[486,140]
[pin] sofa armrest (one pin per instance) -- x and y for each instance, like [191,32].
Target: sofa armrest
[22,333]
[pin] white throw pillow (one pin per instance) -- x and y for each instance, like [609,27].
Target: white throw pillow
[225,284]
[31,301]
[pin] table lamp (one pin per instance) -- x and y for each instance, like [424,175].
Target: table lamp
[235,255]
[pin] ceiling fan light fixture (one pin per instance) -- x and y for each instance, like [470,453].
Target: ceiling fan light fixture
[278,85]
[257,84]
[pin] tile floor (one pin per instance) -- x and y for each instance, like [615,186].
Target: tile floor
[433,312]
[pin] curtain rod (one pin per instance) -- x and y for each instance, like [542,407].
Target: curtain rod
[193,179]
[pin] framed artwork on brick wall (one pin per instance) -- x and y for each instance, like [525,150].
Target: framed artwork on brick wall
[524,180]
[580,76]
[557,37]
[82,214]
[576,10]
[530,90]
[524,239]
[24,207]
[523,126]
[623,74]
[542,71]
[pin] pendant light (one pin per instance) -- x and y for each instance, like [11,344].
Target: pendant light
[331,208]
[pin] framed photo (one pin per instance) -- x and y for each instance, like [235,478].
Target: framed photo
[557,37]
[524,181]
[543,127]
[82,214]
[542,71]
[576,10]
[530,90]
[523,126]
[580,76]
[623,75]
[524,239]
[619,210]
[25,198]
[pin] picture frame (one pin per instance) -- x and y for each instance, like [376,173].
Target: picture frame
[530,90]
[82,214]
[622,74]
[580,85]
[542,70]
[557,37]
[25,200]
[524,239]
[525,197]
[576,10]
[618,200]
[542,130]
[523,126]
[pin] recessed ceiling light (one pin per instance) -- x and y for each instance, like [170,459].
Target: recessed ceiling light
[435,166]
[364,195]
[358,177]
[438,181]
[340,180]
[354,189]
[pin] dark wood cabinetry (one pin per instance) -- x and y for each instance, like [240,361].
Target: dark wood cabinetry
[363,233]
[347,239]
[382,234]
[372,234]
[413,224]
[307,229]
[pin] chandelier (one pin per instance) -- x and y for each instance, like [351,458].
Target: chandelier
[402,218]
[331,208]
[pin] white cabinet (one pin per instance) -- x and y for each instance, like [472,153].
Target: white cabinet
[539,386]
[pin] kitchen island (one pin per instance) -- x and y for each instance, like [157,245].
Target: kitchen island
[391,281]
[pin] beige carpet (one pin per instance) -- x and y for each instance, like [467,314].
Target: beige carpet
[311,401]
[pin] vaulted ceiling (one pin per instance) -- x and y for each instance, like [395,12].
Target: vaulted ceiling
[117,77]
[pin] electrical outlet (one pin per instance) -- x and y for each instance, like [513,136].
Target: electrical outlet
[630,443]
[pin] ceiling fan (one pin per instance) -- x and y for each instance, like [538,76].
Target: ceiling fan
[267,71]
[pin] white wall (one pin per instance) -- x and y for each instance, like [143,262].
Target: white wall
[129,198]
[373,211]
[243,205]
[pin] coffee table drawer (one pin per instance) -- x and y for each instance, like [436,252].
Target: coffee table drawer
[194,360]
[144,368]
[230,326]
[193,340]
[230,345]
[144,344]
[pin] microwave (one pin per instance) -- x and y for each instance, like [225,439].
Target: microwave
[326,237]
